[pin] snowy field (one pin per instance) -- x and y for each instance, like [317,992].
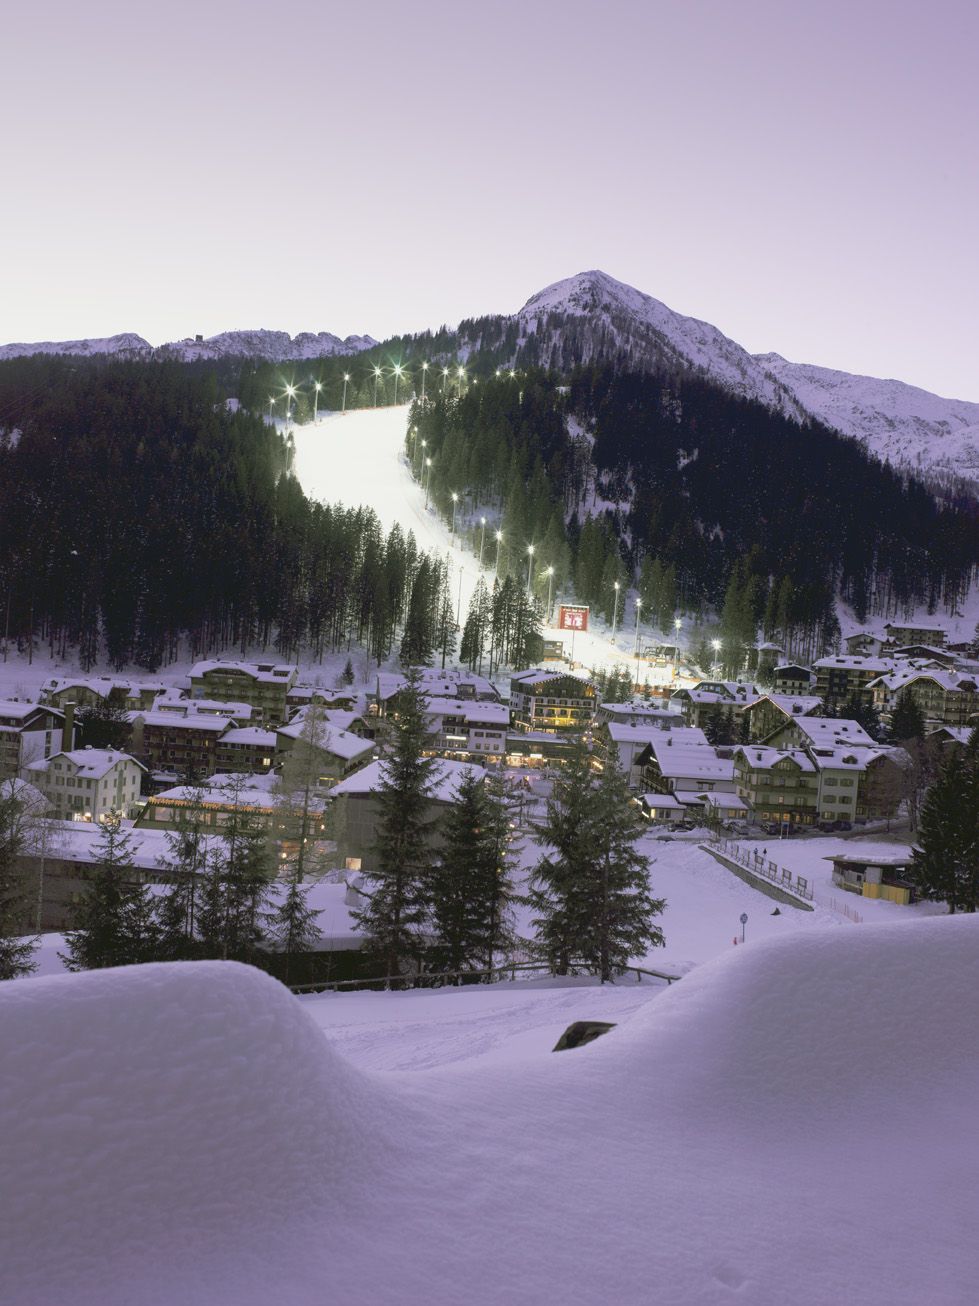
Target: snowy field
[791,1123]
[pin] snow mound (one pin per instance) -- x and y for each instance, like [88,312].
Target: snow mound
[166,1110]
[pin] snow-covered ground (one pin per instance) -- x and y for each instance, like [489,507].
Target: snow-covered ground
[789,1123]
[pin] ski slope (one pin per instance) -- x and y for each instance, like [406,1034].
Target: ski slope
[358,458]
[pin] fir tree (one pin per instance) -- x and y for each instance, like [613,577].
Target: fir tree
[291,926]
[907,719]
[16,951]
[469,886]
[397,889]
[184,867]
[113,923]
[945,864]
[347,674]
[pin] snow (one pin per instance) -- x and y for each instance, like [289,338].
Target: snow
[125,344]
[275,346]
[769,1129]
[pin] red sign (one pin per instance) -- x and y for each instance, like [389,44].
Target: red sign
[573,618]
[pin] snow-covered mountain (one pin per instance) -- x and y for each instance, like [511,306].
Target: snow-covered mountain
[125,345]
[592,315]
[275,346]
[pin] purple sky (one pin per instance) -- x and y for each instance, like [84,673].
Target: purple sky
[802,175]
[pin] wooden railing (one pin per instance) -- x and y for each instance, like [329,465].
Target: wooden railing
[460,978]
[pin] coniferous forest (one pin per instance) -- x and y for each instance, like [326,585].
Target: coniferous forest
[148,509]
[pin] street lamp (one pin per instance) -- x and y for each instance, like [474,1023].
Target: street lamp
[424,370]
[346,378]
[428,482]
[290,394]
[716,646]
[377,375]
[421,461]
[677,623]
[455,500]
[317,387]
[271,402]
[496,569]
[615,609]
[550,584]
[460,373]
[482,538]
[445,378]
[638,607]
[530,563]
[397,378]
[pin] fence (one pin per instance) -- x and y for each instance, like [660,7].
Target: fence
[442,979]
[844,909]
[758,865]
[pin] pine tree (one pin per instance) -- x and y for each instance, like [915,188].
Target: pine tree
[623,909]
[291,926]
[945,864]
[907,719]
[113,924]
[16,950]
[299,798]
[469,886]
[347,674]
[184,867]
[398,902]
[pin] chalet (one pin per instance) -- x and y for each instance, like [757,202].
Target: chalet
[944,697]
[863,643]
[778,784]
[88,784]
[773,711]
[826,732]
[840,676]
[551,701]
[467,730]
[897,634]
[221,801]
[626,743]
[246,749]
[535,749]
[340,753]
[358,810]
[128,695]
[263,685]
[343,700]
[642,713]
[28,733]
[730,697]
[791,678]
[682,762]
[434,683]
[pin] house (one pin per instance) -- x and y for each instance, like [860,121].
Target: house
[358,810]
[222,800]
[823,732]
[863,643]
[434,683]
[467,730]
[773,711]
[780,785]
[791,678]
[246,748]
[339,752]
[128,695]
[763,658]
[535,749]
[551,701]
[943,697]
[88,784]
[241,714]
[898,634]
[263,685]
[185,745]
[642,713]
[28,732]
[730,697]
[874,871]
[924,655]
[344,700]
[626,742]
[682,762]
[840,676]
[662,807]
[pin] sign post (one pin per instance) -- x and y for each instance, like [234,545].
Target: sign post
[744,922]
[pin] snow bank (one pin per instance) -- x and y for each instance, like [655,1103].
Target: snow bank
[793,1122]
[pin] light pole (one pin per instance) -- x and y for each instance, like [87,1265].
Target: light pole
[346,378]
[397,378]
[460,374]
[530,563]
[455,500]
[677,623]
[421,461]
[482,538]
[638,607]
[499,544]
[428,481]
[424,370]
[716,646]
[445,378]
[271,402]
[290,394]
[377,374]
[615,609]
[317,387]
[550,590]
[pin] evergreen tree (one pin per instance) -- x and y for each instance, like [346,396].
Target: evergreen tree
[347,674]
[292,927]
[469,886]
[104,725]
[856,708]
[16,950]
[113,923]
[945,864]
[184,866]
[397,889]
[300,800]
[907,719]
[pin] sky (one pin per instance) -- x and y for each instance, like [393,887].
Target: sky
[804,176]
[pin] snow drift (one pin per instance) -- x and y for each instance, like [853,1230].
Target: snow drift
[791,1123]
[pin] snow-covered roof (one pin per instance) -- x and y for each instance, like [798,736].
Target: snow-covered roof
[688,757]
[828,732]
[11,710]
[245,735]
[257,792]
[731,802]
[474,713]
[951,682]
[266,672]
[181,706]
[195,721]
[653,800]
[632,732]
[340,743]
[759,757]
[91,763]
[853,662]
[443,787]
[794,704]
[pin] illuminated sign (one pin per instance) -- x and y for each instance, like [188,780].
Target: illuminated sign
[573,618]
